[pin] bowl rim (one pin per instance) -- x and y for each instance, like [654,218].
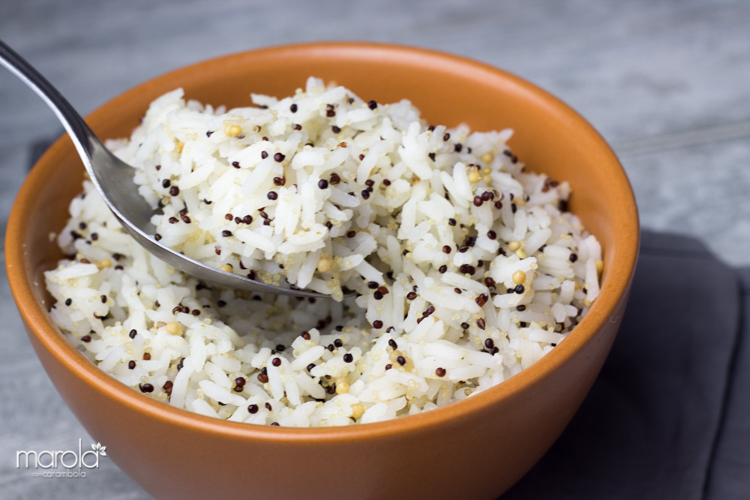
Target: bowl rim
[619,274]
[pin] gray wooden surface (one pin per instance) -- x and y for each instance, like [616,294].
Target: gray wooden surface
[666,82]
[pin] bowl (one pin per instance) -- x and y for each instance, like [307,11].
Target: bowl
[477,448]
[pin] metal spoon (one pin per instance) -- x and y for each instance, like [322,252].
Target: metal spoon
[113,179]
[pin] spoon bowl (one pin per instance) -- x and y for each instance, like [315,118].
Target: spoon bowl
[113,178]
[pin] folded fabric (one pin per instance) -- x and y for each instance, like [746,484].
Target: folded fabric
[669,415]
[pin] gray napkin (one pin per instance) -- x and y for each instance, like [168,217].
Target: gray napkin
[669,416]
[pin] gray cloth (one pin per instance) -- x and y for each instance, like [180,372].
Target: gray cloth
[669,416]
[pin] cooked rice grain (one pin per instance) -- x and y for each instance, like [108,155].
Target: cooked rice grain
[467,268]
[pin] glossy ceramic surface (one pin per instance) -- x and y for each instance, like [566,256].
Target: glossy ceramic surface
[473,449]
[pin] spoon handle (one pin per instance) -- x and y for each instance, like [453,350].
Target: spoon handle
[79,132]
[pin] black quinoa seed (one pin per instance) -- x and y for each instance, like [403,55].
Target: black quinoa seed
[378,295]
[165,184]
[335,129]
[401,360]
[268,407]
[174,191]
[335,179]
[372,104]
[440,372]
[276,362]
[443,269]
[133,333]
[373,285]
[236,164]
[489,343]
[348,358]
[279,157]
[338,343]
[411,296]
[521,308]
[293,108]
[573,257]
[272,195]
[465,326]
[157,236]
[451,222]
[480,323]
[447,136]
[458,147]
[323,184]
[68,302]
[253,409]
[446,249]
[519,289]
[310,366]
[86,338]
[146,388]
[226,233]
[131,364]
[365,194]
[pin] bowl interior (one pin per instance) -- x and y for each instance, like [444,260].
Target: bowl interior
[549,137]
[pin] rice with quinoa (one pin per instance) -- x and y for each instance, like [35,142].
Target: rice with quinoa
[467,269]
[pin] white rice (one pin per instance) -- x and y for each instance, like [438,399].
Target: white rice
[427,328]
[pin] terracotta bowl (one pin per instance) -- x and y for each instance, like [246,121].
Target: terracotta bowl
[477,448]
